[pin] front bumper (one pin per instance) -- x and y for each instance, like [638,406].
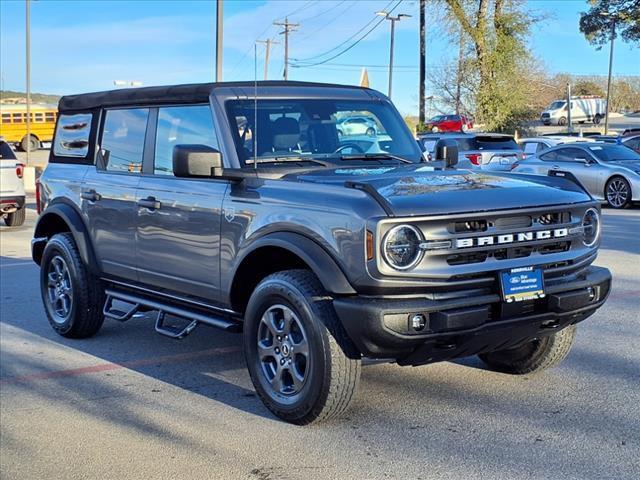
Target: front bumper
[459,327]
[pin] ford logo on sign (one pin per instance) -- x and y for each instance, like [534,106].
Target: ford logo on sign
[514,280]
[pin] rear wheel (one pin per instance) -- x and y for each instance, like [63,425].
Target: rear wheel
[301,362]
[618,192]
[597,119]
[16,218]
[534,356]
[435,129]
[73,298]
[31,142]
[371,132]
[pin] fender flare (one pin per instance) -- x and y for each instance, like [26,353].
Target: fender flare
[315,256]
[73,219]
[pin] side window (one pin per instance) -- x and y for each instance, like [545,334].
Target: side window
[530,147]
[570,154]
[550,157]
[123,139]
[72,135]
[187,125]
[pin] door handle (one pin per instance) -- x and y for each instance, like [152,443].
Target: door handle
[555,167]
[90,195]
[150,202]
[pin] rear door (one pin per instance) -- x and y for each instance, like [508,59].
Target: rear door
[178,241]
[109,190]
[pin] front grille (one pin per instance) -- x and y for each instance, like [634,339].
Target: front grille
[507,253]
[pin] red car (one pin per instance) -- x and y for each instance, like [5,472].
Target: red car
[449,123]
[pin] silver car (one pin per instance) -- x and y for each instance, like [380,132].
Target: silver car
[479,151]
[610,172]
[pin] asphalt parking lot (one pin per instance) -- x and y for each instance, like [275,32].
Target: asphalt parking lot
[129,403]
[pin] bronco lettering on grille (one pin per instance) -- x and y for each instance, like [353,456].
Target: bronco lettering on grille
[503,239]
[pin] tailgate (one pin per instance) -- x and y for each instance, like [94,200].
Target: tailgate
[9,181]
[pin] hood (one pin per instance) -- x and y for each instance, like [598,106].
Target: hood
[421,190]
[632,165]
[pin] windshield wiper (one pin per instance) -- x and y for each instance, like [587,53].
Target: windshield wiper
[375,156]
[285,159]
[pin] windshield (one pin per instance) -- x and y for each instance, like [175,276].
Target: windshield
[614,153]
[556,105]
[319,129]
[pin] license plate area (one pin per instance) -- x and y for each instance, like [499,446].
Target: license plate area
[522,283]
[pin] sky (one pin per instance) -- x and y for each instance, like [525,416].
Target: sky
[81,46]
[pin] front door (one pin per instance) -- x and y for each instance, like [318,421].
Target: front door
[108,192]
[179,219]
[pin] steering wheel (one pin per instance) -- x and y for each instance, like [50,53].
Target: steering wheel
[355,146]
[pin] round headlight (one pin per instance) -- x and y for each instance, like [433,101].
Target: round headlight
[590,227]
[401,247]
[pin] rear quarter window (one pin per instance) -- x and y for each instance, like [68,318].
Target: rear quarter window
[72,135]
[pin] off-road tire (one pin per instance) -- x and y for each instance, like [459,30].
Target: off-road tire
[16,218]
[334,362]
[535,356]
[86,317]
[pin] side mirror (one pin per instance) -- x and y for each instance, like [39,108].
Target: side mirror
[583,160]
[447,151]
[196,161]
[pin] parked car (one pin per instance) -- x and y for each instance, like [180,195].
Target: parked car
[609,172]
[12,198]
[366,144]
[632,142]
[356,126]
[534,145]
[584,108]
[449,123]
[480,151]
[233,205]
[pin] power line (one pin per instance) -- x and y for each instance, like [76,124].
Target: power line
[348,39]
[329,22]
[300,63]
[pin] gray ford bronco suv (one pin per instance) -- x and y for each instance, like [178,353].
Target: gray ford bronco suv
[239,206]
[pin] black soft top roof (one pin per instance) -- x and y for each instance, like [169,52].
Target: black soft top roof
[187,93]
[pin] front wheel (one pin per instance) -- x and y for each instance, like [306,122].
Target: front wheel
[596,119]
[301,362]
[73,298]
[533,356]
[618,192]
[16,218]
[562,121]
[371,132]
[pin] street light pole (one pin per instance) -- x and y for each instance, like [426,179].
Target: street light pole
[28,71]
[393,21]
[613,36]
[218,40]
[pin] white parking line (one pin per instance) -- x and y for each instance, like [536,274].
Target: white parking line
[15,264]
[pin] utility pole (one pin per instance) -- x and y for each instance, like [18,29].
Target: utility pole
[267,43]
[28,70]
[613,36]
[288,28]
[423,67]
[569,120]
[219,32]
[393,21]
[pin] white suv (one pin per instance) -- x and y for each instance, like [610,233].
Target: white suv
[12,206]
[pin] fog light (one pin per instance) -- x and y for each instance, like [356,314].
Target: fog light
[418,321]
[592,293]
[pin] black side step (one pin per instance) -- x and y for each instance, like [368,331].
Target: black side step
[195,317]
[119,315]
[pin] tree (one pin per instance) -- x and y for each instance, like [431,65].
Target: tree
[596,23]
[497,31]
[587,87]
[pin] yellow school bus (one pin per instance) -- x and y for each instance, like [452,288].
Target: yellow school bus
[13,124]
